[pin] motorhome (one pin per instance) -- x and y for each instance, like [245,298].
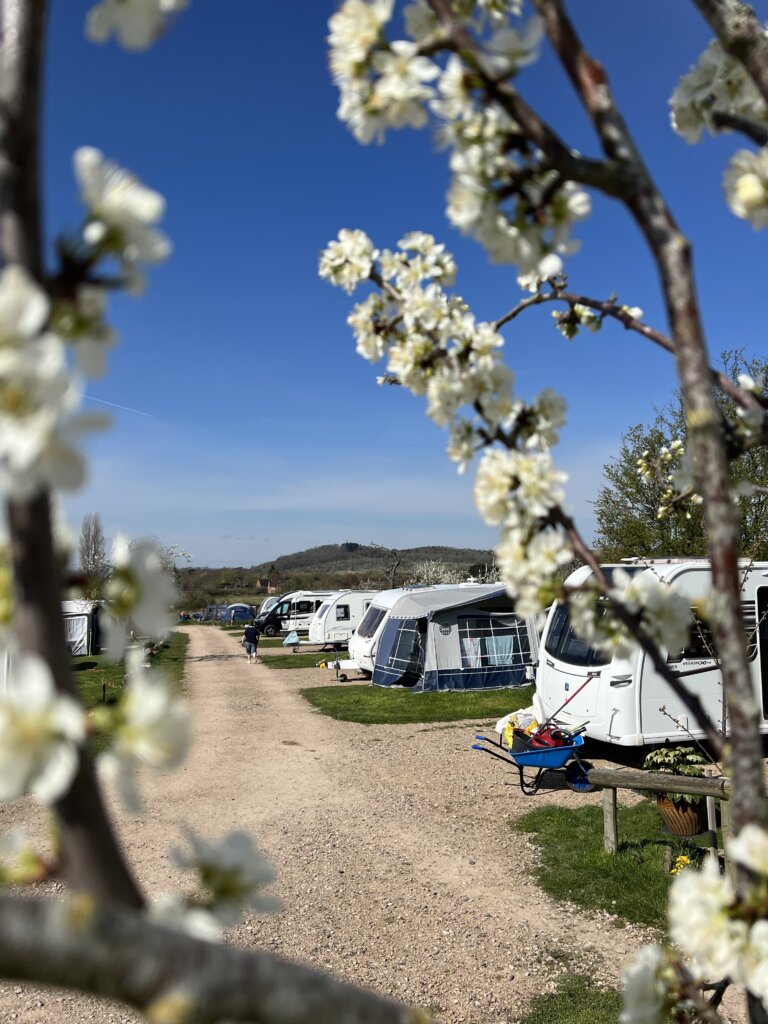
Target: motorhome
[462,637]
[624,700]
[339,615]
[292,613]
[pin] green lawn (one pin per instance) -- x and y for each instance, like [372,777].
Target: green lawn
[632,883]
[96,677]
[376,705]
[99,680]
[291,660]
[575,1001]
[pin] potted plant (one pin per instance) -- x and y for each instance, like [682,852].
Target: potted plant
[684,814]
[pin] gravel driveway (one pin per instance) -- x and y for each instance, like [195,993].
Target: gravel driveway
[396,866]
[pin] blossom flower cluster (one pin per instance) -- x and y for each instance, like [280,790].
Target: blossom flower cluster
[139,591]
[721,934]
[434,346]
[149,726]
[41,731]
[41,423]
[517,208]
[231,875]
[719,84]
[136,24]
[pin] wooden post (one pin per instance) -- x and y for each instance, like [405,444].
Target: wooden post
[712,827]
[610,821]
[725,825]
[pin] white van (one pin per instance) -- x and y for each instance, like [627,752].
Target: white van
[339,615]
[626,701]
[293,612]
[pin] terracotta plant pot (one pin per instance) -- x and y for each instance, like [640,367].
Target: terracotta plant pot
[682,819]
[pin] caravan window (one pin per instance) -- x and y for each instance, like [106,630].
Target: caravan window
[304,608]
[342,613]
[564,643]
[321,611]
[701,643]
[492,641]
[371,621]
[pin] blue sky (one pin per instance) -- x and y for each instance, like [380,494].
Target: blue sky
[258,430]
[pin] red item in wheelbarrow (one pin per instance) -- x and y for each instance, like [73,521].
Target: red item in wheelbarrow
[549,736]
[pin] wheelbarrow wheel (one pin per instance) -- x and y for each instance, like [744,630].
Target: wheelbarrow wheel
[576,777]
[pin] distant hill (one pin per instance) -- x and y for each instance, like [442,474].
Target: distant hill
[330,566]
[352,557]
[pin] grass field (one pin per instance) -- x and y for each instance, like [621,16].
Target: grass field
[374,705]
[290,660]
[573,865]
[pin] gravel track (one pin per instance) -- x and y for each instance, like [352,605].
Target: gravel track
[396,866]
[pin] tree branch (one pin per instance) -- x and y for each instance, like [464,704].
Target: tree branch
[672,254]
[758,133]
[118,954]
[739,30]
[631,323]
[90,855]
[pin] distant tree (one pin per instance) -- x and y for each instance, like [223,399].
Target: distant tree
[94,566]
[435,570]
[393,562]
[627,509]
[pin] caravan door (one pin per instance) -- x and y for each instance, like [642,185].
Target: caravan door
[566,661]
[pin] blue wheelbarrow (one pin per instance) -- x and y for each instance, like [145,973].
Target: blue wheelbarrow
[538,761]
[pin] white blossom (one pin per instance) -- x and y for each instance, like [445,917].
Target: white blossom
[122,213]
[140,590]
[746,186]
[646,987]
[702,926]
[135,23]
[508,50]
[24,307]
[348,260]
[750,848]
[354,30]
[717,82]
[400,91]
[40,732]
[231,872]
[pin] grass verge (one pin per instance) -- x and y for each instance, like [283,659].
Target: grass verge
[290,660]
[575,1001]
[573,866]
[99,681]
[375,705]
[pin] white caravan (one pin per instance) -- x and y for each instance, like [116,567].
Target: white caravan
[293,612]
[362,643]
[339,615]
[626,701]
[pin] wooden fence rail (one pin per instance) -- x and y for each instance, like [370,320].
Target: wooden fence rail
[613,779]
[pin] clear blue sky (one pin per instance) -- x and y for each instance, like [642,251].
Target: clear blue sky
[258,430]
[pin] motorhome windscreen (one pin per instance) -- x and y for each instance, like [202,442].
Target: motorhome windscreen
[563,643]
[371,621]
[488,641]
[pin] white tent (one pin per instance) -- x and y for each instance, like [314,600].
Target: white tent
[82,631]
[456,638]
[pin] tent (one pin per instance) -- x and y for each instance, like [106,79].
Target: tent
[82,629]
[466,637]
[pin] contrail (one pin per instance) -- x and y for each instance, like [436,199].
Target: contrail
[116,406]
